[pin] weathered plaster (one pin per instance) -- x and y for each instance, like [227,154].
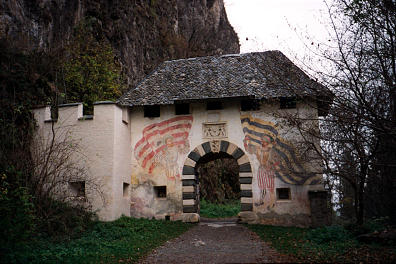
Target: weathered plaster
[145,204]
[118,143]
[225,125]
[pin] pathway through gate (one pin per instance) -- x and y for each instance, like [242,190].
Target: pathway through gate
[222,241]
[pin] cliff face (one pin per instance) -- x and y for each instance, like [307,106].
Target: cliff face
[142,32]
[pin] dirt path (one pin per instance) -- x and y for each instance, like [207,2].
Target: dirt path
[216,242]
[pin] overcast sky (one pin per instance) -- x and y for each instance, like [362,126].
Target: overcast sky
[276,24]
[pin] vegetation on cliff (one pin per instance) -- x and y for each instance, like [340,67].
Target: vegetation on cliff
[142,33]
[89,68]
[53,53]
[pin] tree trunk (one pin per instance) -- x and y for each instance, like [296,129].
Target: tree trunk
[360,202]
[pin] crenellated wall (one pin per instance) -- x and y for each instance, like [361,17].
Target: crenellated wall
[146,166]
[103,150]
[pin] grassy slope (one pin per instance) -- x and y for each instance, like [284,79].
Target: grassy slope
[328,244]
[123,240]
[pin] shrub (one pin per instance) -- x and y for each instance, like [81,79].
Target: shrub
[376,224]
[17,221]
[90,71]
[64,221]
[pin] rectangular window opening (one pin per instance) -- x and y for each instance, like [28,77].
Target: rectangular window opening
[88,109]
[160,191]
[77,188]
[125,190]
[182,109]
[214,105]
[151,111]
[250,105]
[283,193]
[288,102]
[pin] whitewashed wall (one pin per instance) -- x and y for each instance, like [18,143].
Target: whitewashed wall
[103,143]
[144,202]
[109,142]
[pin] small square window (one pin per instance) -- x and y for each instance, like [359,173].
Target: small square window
[160,191]
[182,109]
[283,193]
[77,188]
[288,102]
[125,190]
[214,105]
[151,111]
[250,105]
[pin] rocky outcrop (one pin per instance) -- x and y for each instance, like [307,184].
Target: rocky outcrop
[142,32]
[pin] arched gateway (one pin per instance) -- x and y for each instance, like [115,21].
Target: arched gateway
[138,149]
[190,179]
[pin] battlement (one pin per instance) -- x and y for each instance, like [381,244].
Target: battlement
[68,113]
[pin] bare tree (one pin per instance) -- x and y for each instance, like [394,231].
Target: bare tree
[358,135]
[60,172]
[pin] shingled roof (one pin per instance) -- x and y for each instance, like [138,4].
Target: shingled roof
[259,75]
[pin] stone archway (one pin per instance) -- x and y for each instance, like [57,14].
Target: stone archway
[190,179]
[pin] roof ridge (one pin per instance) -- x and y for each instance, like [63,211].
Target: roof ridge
[223,76]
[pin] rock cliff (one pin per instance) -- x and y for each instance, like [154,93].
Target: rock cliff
[142,32]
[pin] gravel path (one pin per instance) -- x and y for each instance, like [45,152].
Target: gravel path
[216,242]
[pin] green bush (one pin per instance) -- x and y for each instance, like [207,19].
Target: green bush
[62,221]
[376,224]
[17,221]
[90,71]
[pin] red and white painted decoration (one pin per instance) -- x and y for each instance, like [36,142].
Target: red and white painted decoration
[161,144]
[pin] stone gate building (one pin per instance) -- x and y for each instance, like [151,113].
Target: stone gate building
[144,149]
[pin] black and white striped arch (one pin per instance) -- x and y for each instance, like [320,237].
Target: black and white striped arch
[189,180]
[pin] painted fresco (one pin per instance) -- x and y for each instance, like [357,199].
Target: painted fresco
[162,143]
[276,157]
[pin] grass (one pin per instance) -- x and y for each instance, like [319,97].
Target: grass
[124,240]
[326,244]
[213,210]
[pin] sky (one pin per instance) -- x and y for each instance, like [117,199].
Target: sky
[277,24]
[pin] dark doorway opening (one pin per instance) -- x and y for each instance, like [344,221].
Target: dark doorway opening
[219,188]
